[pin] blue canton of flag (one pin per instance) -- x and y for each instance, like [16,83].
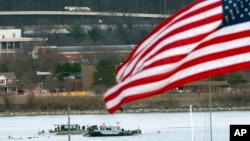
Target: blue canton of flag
[235,11]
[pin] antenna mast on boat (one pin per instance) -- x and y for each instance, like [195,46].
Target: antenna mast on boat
[68,123]
[191,118]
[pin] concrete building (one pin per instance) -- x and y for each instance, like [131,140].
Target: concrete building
[11,40]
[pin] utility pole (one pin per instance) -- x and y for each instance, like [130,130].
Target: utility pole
[165,7]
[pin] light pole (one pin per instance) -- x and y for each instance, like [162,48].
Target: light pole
[100,92]
[100,82]
[43,75]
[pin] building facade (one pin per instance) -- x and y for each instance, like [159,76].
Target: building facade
[8,83]
[11,41]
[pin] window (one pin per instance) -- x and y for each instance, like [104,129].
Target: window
[2,82]
[10,81]
[3,36]
[48,51]
[14,35]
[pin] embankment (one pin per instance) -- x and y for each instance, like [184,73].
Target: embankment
[172,102]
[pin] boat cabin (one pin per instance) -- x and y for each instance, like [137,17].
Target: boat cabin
[104,130]
[109,128]
[66,127]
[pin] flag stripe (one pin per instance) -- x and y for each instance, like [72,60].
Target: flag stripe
[171,33]
[134,96]
[240,66]
[161,44]
[205,39]
[206,53]
[166,24]
[217,40]
[165,27]
[191,67]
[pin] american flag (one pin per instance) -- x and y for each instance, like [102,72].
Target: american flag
[205,39]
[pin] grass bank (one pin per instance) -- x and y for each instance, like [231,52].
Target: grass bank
[48,103]
[173,102]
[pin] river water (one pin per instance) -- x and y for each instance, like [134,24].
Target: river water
[155,126]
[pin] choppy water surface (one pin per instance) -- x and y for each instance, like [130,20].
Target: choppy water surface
[155,126]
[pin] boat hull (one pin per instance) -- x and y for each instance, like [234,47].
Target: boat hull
[123,133]
[76,132]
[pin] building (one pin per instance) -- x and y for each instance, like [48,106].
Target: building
[11,41]
[83,54]
[8,83]
[91,54]
[87,79]
[88,56]
[46,55]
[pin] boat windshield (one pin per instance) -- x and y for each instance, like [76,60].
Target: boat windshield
[71,127]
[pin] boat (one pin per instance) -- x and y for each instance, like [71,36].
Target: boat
[111,130]
[65,129]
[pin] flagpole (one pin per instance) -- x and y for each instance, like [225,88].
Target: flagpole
[210,107]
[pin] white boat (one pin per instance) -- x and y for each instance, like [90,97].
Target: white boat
[110,130]
[65,129]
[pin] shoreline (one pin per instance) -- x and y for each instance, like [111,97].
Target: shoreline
[58,105]
[128,111]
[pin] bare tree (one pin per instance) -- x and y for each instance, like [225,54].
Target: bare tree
[8,100]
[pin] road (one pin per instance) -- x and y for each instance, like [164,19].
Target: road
[141,15]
